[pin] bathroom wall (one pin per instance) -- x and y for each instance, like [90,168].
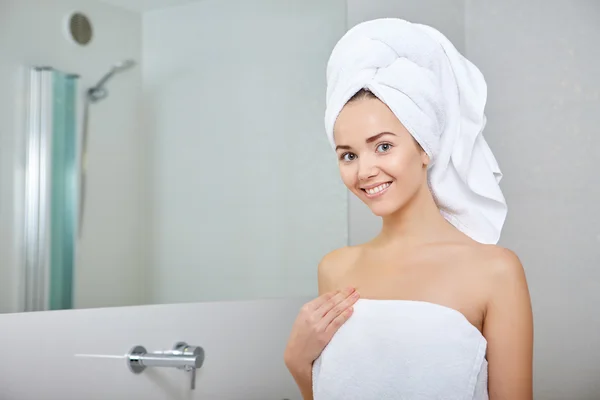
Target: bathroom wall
[33,33]
[245,192]
[541,61]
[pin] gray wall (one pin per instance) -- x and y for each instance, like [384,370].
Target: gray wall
[541,60]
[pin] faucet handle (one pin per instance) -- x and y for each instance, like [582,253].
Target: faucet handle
[182,348]
[193,377]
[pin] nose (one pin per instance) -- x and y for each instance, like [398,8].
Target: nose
[367,168]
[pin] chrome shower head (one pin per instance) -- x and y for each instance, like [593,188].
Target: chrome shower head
[123,65]
[99,92]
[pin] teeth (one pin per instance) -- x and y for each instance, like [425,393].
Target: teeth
[378,189]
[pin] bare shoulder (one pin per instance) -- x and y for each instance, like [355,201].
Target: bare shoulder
[334,265]
[485,262]
[502,265]
[504,277]
[508,326]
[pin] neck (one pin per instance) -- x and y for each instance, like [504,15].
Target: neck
[418,222]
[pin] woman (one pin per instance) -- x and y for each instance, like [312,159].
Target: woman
[431,308]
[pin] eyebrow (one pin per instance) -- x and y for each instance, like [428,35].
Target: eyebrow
[369,140]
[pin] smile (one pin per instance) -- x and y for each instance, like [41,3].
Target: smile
[377,190]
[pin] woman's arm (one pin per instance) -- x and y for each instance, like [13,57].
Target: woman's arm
[508,328]
[315,325]
[303,378]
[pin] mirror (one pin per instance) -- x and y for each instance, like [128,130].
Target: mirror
[167,151]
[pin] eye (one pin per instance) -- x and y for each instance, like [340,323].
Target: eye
[348,157]
[384,147]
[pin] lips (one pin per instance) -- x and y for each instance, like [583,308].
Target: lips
[378,190]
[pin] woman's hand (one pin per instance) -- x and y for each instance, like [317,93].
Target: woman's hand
[314,327]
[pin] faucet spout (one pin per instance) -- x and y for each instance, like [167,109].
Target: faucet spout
[183,356]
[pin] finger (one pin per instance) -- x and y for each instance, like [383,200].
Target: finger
[338,321]
[338,309]
[328,305]
[319,301]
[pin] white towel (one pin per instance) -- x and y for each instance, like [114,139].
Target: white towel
[397,349]
[439,96]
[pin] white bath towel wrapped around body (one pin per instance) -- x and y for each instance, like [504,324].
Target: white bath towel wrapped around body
[403,350]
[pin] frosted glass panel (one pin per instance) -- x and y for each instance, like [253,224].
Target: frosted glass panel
[64,190]
[50,191]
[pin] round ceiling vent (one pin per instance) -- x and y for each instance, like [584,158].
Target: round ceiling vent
[80,29]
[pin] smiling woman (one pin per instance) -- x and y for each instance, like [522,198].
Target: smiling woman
[414,154]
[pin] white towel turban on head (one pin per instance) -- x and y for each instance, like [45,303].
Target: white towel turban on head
[439,97]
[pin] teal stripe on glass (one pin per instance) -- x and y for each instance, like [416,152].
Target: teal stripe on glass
[64,181]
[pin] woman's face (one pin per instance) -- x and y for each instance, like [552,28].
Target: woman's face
[379,160]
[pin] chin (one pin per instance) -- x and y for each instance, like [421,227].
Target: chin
[383,210]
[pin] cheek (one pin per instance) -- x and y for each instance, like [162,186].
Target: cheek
[402,166]
[348,174]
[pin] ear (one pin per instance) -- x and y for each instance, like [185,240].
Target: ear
[425,158]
